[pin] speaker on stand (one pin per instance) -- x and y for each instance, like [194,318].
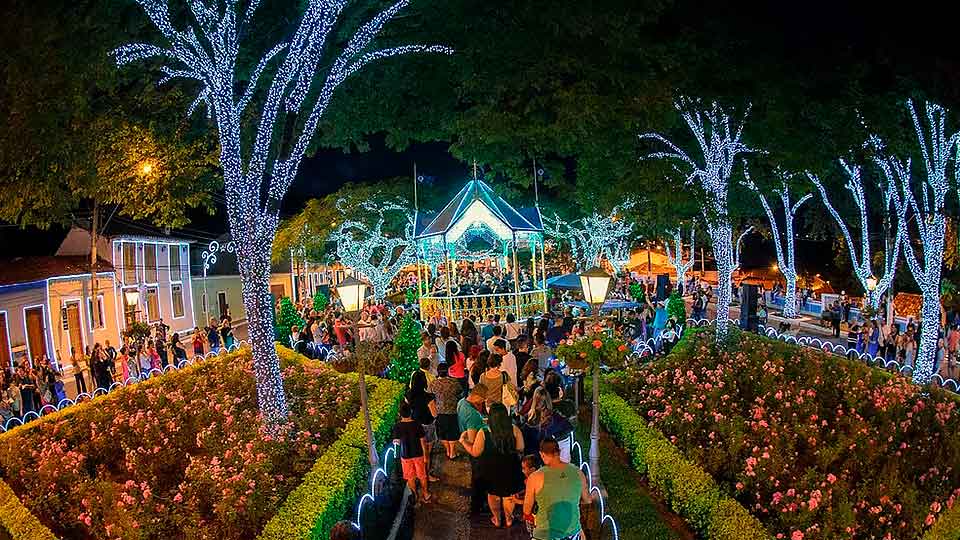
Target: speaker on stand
[749,298]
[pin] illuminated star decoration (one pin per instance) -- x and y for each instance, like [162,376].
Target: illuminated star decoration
[928,216]
[594,236]
[861,257]
[257,174]
[718,144]
[783,243]
[675,255]
[370,251]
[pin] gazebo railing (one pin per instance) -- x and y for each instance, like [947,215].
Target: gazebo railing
[531,303]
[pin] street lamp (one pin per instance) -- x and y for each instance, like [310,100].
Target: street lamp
[871,287]
[351,292]
[595,284]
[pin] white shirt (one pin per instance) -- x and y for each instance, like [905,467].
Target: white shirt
[512,330]
[493,340]
[509,365]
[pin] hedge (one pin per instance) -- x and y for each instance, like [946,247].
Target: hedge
[686,488]
[329,491]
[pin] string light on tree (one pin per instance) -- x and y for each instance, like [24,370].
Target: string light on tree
[783,244]
[718,145]
[675,255]
[368,249]
[206,50]
[861,256]
[594,236]
[928,218]
[738,245]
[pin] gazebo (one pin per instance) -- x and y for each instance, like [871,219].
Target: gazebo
[478,230]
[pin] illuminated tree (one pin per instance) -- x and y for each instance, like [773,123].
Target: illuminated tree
[928,218]
[783,243]
[718,145]
[260,150]
[738,245]
[286,319]
[675,255]
[405,345]
[861,256]
[595,236]
[371,251]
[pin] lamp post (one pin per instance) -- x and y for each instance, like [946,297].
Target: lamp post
[351,292]
[595,284]
[871,283]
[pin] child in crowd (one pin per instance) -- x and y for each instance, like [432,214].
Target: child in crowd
[529,465]
[413,447]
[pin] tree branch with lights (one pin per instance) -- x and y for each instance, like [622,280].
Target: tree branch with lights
[718,145]
[783,243]
[258,174]
[675,255]
[369,250]
[861,257]
[594,236]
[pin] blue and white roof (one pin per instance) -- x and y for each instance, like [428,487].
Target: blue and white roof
[478,205]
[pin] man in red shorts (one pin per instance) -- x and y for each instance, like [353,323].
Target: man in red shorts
[413,446]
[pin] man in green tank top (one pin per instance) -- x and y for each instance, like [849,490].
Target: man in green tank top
[557,488]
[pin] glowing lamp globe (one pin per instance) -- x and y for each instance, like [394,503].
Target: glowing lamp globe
[871,283]
[595,284]
[351,292]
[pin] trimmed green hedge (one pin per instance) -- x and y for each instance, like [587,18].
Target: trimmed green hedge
[686,488]
[17,520]
[329,491]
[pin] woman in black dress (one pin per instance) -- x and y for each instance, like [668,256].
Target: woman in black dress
[498,447]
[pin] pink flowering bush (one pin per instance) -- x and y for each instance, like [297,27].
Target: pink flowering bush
[814,446]
[180,456]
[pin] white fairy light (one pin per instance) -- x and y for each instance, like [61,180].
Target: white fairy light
[783,243]
[719,144]
[369,251]
[206,50]
[928,218]
[737,246]
[594,236]
[675,256]
[861,256]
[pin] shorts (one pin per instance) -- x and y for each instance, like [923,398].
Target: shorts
[414,468]
[430,432]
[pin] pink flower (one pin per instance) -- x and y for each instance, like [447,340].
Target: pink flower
[797,535]
[178,497]
[831,478]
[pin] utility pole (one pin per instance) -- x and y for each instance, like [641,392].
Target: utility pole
[95,314]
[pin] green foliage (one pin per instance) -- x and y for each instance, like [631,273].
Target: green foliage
[330,489]
[320,301]
[583,352]
[676,308]
[405,345]
[412,295]
[637,292]
[286,319]
[137,331]
[17,521]
[79,129]
[687,489]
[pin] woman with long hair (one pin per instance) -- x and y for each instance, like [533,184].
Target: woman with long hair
[424,407]
[478,367]
[456,362]
[468,335]
[498,447]
[447,392]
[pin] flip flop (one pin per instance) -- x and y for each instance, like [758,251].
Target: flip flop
[495,521]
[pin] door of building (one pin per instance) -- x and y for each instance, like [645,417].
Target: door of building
[222,303]
[4,343]
[36,343]
[74,328]
[277,291]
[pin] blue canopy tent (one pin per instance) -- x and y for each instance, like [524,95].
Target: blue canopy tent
[609,305]
[566,281]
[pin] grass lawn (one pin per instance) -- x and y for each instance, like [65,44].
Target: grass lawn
[638,516]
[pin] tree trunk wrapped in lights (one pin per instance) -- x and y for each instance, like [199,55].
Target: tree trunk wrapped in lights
[861,258]
[675,256]
[928,217]
[718,144]
[786,260]
[257,175]
[369,251]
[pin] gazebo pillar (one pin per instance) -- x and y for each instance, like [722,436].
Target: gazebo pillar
[516,279]
[543,273]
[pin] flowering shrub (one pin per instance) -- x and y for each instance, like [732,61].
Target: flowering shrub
[584,351]
[178,456]
[814,446]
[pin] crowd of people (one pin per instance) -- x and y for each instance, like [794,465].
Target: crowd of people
[29,387]
[493,393]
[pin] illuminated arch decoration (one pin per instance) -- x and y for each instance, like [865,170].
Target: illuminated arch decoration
[447,240]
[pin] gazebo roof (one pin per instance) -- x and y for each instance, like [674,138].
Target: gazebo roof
[477,203]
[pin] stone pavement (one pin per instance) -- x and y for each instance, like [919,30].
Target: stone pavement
[448,516]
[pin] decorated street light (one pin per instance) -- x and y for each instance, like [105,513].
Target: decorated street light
[595,284]
[871,283]
[351,292]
